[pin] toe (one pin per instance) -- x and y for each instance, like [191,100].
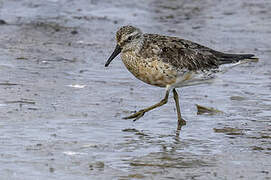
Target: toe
[139,115]
[181,122]
[136,115]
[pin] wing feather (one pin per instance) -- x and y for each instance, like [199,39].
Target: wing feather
[180,53]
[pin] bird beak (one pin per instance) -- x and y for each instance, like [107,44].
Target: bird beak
[113,55]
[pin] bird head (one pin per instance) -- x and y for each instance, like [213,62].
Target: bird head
[128,38]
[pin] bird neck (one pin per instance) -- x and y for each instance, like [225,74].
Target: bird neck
[135,46]
[139,44]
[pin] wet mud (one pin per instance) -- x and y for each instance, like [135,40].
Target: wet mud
[61,110]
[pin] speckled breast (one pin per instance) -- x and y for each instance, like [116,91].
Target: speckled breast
[150,71]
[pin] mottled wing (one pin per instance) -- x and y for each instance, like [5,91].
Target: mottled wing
[180,53]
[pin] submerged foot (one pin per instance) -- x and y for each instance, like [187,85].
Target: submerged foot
[136,115]
[181,122]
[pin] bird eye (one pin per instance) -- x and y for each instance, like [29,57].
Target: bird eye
[129,38]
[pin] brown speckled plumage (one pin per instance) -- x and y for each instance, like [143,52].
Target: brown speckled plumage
[178,52]
[169,62]
[162,60]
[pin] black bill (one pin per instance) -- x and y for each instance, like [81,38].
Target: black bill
[113,55]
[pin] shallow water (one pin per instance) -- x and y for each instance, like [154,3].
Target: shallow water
[61,110]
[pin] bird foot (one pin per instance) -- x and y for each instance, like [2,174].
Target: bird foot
[136,115]
[181,122]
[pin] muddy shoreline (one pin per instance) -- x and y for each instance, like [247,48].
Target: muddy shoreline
[61,110]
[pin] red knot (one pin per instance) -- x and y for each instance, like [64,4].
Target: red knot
[169,62]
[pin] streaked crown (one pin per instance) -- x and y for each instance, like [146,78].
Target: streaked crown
[128,35]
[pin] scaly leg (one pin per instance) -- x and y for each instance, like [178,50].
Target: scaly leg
[140,113]
[181,121]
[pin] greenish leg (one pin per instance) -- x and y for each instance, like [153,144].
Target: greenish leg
[140,113]
[181,121]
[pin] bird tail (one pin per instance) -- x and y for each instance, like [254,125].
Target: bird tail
[235,58]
